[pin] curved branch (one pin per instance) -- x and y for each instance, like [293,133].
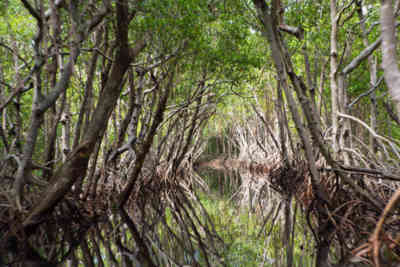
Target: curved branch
[373,133]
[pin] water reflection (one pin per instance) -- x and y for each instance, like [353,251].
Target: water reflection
[245,183]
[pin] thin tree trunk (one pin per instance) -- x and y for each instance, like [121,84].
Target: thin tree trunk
[2,113]
[88,93]
[344,133]
[66,130]
[373,79]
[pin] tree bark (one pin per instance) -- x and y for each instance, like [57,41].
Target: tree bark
[333,78]
[389,54]
[373,79]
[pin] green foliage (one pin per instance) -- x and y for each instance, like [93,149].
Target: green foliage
[16,21]
[395,132]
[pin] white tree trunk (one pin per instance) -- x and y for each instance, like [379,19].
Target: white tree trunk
[389,55]
[333,78]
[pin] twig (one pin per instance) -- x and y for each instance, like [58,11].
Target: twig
[372,89]
[373,133]
[14,53]
[382,175]
[341,11]
[267,126]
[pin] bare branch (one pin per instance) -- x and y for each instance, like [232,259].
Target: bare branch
[16,92]
[296,31]
[14,53]
[62,84]
[362,56]
[372,89]
[341,11]
[373,133]
[266,126]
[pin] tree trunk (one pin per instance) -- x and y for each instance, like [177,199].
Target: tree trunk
[389,54]
[373,79]
[333,78]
